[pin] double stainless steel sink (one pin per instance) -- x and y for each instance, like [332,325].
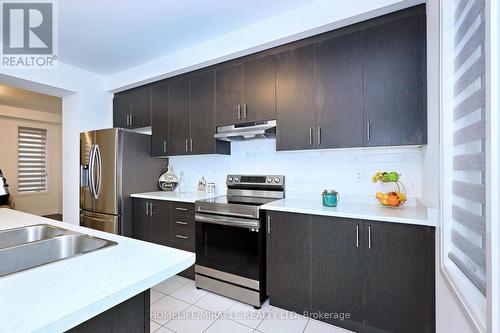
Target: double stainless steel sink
[32,246]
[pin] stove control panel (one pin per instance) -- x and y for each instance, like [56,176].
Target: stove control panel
[257,180]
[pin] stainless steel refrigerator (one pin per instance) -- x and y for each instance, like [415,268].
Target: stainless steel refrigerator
[113,164]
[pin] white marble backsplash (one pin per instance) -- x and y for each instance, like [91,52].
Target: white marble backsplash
[305,171]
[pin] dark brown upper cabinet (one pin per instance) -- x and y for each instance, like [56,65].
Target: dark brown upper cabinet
[295,94]
[159,119]
[246,92]
[178,116]
[191,116]
[339,93]
[394,83]
[132,109]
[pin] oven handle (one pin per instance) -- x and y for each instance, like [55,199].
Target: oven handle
[229,221]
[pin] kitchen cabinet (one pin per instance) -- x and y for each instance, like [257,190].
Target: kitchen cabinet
[166,223]
[380,273]
[178,117]
[339,87]
[159,119]
[246,92]
[337,268]
[394,89]
[142,224]
[152,221]
[288,260]
[399,279]
[203,114]
[132,109]
[295,96]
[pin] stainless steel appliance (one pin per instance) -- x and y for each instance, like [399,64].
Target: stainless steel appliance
[251,130]
[230,238]
[113,164]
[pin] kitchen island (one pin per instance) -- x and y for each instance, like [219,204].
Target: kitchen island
[62,295]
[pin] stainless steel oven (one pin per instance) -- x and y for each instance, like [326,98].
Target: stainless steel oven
[230,241]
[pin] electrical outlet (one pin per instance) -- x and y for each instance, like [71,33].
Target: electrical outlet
[359,176]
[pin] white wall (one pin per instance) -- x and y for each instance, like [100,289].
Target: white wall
[305,171]
[44,203]
[86,105]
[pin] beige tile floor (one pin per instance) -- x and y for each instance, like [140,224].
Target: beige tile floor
[177,306]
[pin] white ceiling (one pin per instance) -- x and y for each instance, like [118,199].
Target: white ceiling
[106,37]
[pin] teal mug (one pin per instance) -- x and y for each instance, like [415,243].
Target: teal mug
[330,198]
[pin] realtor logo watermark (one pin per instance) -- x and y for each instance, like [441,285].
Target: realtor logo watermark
[29,34]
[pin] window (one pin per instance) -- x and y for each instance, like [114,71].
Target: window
[464,186]
[32,160]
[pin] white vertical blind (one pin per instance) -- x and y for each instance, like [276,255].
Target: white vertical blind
[32,159]
[468,200]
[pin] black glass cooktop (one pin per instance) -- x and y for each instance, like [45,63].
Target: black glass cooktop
[239,200]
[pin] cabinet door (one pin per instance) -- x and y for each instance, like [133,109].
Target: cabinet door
[289,260]
[229,95]
[141,228]
[121,110]
[259,89]
[399,266]
[203,113]
[338,268]
[295,94]
[394,82]
[140,107]
[178,117]
[339,113]
[161,226]
[159,119]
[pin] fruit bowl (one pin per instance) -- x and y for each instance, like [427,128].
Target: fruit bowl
[394,198]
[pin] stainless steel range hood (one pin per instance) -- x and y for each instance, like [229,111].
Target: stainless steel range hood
[246,131]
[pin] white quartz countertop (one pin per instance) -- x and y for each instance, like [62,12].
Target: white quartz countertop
[173,196]
[58,296]
[410,213]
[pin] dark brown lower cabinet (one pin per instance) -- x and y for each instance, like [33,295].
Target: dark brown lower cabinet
[131,315]
[166,223]
[365,276]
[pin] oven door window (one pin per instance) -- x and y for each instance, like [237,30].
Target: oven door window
[228,249]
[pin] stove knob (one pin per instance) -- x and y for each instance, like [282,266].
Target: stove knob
[277,180]
[269,180]
[230,179]
[236,179]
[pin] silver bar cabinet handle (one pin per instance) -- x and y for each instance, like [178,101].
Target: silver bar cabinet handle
[244,111]
[310,136]
[165,146]
[150,209]
[181,236]
[181,209]
[126,119]
[131,120]
[147,208]
[357,235]
[187,149]
[368,131]
[319,135]
[191,145]
[181,223]
[369,236]
[268,224]
[239,111]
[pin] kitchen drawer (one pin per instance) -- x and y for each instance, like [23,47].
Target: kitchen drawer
[183,239]
[182,211]
[183,224]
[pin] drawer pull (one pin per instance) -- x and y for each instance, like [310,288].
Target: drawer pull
[181,223]
[181,209]
[181,236]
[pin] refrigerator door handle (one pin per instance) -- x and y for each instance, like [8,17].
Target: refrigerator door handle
[97,190]
[91,172]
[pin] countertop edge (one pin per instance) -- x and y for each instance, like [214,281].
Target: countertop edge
[88,312]
[378,218]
